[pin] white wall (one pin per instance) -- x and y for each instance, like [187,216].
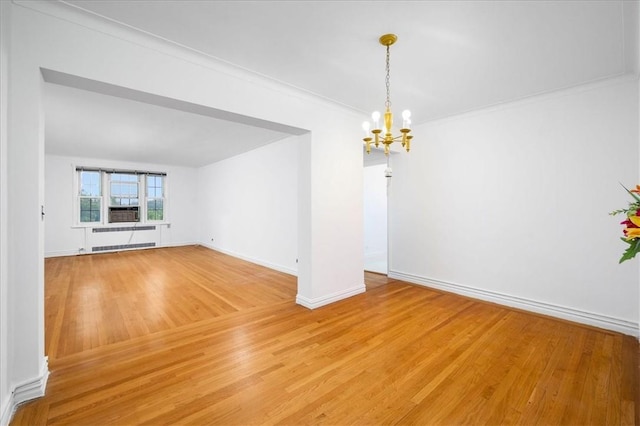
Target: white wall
[27,368]
[5,387]
[375,218]
[248,205]
[63,239]
[56,37]
[511,204]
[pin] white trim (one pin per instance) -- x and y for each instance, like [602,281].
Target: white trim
[7,412]
[113,28]
[178,244]
[26,391]
[63,253]
[120,224]
[571,314]
[260,262]
[317,302]
[529,99]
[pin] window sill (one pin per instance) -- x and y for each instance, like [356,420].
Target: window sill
[119,224]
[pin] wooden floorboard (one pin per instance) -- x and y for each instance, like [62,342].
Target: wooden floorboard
[188,335]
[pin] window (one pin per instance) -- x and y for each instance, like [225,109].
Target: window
[155,197]
[123,189]
[114,196]
[90,197]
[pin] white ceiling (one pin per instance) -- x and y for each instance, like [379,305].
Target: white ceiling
[83,123]
[451,57]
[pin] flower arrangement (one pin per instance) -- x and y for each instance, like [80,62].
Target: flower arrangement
[632,225]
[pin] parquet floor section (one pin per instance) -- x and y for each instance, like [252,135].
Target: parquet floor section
[187,335]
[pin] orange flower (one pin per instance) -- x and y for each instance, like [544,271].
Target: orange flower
[632,230]
[632,233]
[637,190]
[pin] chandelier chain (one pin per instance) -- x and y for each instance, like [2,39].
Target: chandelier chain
[387,79]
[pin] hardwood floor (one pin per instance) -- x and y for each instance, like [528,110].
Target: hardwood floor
[190,336]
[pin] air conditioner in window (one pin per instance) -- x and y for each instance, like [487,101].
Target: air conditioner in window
[124,214]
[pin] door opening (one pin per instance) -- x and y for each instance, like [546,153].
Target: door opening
[375,219]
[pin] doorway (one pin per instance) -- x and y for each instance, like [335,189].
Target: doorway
[375,219]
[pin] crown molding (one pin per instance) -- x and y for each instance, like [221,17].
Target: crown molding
[94,22]
[535,98]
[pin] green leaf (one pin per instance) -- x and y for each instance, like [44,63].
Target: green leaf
[635,196]
[615,212]
[631,251]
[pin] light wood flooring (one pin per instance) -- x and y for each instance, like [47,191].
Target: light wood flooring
[188,335]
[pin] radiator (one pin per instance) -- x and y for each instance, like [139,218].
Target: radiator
[122,238]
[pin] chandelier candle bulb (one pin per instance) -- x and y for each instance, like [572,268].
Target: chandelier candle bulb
[365,127]
[406,119]
[376,119]
[387,129]
[367,138]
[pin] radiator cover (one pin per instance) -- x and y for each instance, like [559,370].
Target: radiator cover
[122,247]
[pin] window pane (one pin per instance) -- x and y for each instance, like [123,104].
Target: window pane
[90,209]
[90,183]
[124,189]
[154,186]
[123,177]
[155,209]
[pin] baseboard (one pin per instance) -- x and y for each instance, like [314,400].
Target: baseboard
[62,253]
[260,262]
[317,302]
[31,389]
[570,314]
[179,244]
[7,412]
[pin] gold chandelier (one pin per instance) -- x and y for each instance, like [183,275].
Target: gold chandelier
[384,135]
